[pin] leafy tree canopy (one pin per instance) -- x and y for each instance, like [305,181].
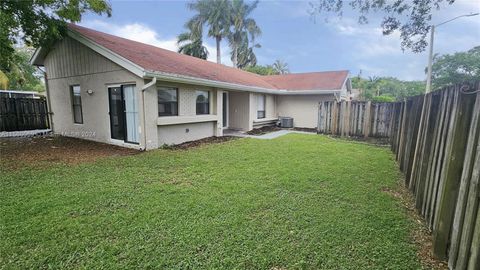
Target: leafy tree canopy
[411,18]
[278,67]
[386,89]
[456,68]
[39,23]
[262,70]
[22,75]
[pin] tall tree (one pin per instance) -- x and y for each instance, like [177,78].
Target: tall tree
[39,22]
[411,18]
[245,56]
[244,31]
[386,88]
[212,13]
[281,67]
[456,68]
[22,75]
[191,44]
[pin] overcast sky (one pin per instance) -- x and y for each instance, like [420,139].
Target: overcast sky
[290,34]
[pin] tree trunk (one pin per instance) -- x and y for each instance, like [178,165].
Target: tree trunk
[219,58]
[235,56]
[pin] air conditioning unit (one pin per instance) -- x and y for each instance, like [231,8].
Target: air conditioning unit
[286,122]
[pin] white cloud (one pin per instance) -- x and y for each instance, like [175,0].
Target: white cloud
[145,34]
[380,55]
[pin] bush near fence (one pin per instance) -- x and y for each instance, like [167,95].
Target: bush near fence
[436,141]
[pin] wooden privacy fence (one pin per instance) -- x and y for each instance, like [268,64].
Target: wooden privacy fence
[17,114]
[436,140]
[355,118]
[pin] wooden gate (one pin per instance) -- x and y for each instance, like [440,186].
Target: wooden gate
[17,114]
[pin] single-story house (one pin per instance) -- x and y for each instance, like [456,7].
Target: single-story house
[114,90]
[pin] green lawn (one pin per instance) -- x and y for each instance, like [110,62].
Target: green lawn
[296,202]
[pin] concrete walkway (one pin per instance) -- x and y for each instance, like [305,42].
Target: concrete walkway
[267,136]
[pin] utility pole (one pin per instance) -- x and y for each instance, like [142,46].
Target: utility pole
[430,53]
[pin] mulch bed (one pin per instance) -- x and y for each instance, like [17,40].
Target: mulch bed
[198,143]
[16,153]
[263,130]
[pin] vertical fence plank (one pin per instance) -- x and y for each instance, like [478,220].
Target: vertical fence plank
[449,184]
[467,202]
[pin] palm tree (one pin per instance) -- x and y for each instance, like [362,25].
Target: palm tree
[281,67]
[215,14]
[244,55]
[244,29]
[191,44]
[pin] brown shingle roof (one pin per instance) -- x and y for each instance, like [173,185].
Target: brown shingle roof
[328,80]
[157,59]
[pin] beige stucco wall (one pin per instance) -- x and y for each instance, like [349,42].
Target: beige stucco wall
[71,63]
[303,108]
[270,106]
[176,134]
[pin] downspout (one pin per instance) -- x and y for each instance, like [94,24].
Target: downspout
[49,105]
[145,87]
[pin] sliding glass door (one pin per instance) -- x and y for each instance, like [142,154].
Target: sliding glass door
[124,113]
[117,119]
[131,113]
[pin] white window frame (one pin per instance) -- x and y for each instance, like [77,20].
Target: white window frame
[262,104]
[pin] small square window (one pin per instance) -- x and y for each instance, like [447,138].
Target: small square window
[167,101]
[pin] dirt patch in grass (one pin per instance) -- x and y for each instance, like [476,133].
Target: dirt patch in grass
[263,130]
[421,235]
[16,153]
[197,143]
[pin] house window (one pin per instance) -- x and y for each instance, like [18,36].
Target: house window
[260,106]
[203,102]
[76,104]
[167,101]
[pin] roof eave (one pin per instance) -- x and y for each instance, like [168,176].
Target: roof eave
[38,57]
[230,86]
